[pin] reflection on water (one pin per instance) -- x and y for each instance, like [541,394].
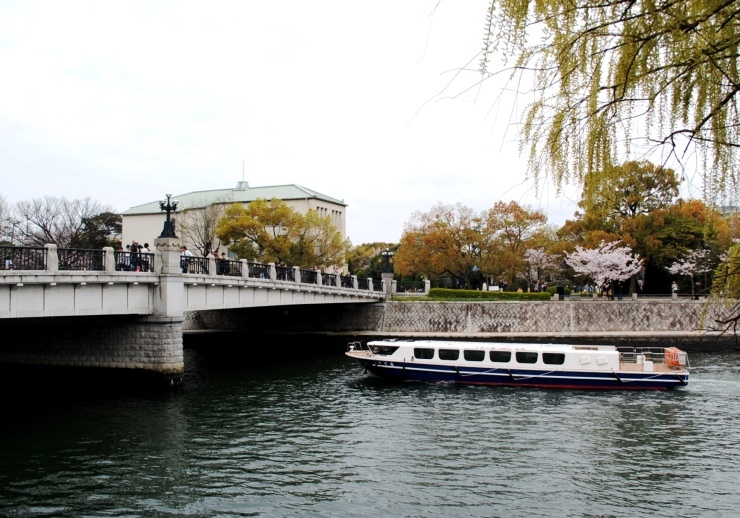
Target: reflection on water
[312,433]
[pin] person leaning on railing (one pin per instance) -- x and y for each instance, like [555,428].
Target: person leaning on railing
[186,256]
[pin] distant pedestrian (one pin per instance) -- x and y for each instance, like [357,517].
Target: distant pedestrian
[674,287]
[185,257]
[8,263]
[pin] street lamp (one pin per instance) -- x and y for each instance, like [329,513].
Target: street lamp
[170,206]
[387,255]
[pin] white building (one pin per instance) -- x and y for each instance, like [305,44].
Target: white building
[144,223]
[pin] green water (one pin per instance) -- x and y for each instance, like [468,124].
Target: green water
[312,435]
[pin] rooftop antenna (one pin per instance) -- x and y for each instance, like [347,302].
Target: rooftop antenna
[243,160]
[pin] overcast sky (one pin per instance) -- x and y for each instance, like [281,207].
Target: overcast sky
[126,101]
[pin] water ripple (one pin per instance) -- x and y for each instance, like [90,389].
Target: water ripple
[317,436]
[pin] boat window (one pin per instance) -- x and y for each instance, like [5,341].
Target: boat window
[423,353]
[449,354]
[553,358]
[384,349]
[474,356]
[525,357]
[500,356]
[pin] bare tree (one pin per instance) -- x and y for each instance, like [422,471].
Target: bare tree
[52,219]
[5,225]
[198,224]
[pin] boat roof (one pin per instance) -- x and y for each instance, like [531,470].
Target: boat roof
[452,344]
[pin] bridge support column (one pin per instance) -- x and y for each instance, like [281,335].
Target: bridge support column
[144,344]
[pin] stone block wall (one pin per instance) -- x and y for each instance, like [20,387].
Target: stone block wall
[544,317]
[123,342]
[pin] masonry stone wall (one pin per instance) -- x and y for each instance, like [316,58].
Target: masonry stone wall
[122,342]
[544,317]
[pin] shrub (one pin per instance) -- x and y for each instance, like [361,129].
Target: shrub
[552,290]
[447,294]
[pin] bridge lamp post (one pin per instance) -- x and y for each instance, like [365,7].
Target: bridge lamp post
[387,256]
[170,206]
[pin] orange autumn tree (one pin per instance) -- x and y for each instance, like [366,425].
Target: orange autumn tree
[512,229]
[455,241]
[441,242]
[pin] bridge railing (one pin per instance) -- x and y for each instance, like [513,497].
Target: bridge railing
[258,270]
[310,276]
[285,273]
[134,261]
[192,264]
[23,258]
[80,259]
[228,267]
[329,279]
[50,258]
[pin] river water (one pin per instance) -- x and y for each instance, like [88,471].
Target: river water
[312,434]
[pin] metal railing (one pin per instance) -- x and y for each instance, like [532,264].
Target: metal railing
[79,259]
[134,261]
[194,264]
[309,276]
[285,273]
[228,267]
[329,279]
[22,258]
[410,287]
[258,270]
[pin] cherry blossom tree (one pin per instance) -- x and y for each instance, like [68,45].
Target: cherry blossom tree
[537,262]
[605,264]
[694,262]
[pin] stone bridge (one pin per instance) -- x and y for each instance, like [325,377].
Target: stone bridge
[134,315]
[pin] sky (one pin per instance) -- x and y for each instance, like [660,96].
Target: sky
[373,103]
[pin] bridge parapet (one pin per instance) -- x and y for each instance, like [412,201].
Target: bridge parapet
[106,282]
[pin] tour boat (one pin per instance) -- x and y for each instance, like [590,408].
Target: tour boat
[530,365]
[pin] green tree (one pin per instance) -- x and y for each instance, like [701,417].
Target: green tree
[365,259]
[97,231]
[272,231]
[611,198]
[624,191]
[263,230]
[620,73]
[317,242]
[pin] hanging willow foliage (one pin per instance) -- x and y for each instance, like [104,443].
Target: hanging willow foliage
[613,74]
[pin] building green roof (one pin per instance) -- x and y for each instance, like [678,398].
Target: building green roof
[242,193]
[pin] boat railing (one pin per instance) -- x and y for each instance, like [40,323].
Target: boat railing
[669,356]
[357,346]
